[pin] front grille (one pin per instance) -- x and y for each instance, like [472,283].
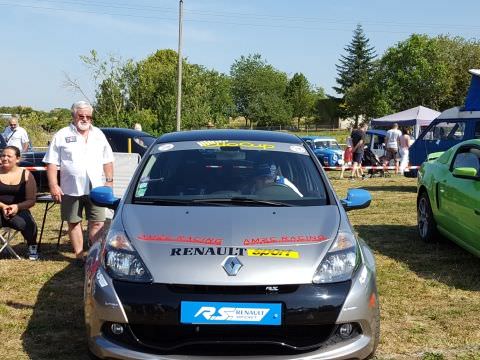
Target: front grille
[244,290]
[309,313]
[227,340]
[172,337]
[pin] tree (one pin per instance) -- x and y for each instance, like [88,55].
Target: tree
[112,80]
[414,72]
[219,96]
[258,91]
[460,55]
[367,97]
[270,110]
[301,97]
[327,111]
[145,92]
[356,66]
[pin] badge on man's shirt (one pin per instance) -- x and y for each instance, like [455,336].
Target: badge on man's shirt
[70,139]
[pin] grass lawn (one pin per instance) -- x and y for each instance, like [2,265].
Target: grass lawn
[429,294]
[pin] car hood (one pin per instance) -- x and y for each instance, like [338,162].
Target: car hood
[187,245]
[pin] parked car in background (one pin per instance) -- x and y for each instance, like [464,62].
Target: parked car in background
[118,139]
[230,243]
[374,140]
[453,126]
[448,200]
[326,148]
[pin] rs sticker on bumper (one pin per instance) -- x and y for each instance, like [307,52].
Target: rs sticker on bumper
[193,312]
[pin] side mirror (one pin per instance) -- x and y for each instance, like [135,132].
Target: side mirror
[356,199]
[435,155]
[465,172]
[103,196]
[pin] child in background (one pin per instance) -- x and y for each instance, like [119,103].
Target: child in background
[347,157]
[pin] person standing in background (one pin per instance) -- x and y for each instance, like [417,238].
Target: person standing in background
[347,156]
[83,154]
[15,135]
[358,144]
[404,150]
[392,140]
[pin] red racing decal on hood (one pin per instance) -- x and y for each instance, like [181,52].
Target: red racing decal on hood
[182,239]
[285,239]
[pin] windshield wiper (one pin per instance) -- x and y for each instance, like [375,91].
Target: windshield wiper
[151,201]
[241,200]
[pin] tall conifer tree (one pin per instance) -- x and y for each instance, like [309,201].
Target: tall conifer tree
[357,64]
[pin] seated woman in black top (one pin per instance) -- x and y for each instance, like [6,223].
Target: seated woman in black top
[18,192]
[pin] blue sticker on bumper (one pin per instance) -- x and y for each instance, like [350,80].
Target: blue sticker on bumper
[226,313]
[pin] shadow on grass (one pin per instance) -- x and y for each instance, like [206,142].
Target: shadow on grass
[399,188]
[443,261]
[56,328]
[49,251]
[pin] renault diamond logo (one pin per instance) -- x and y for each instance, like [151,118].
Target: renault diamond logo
[232,265]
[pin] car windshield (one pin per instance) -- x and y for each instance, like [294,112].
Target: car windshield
[323,144]
[232,174]
[334,145]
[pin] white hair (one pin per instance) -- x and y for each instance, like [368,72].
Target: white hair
[81,105]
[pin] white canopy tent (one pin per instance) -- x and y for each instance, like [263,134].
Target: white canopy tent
[417,117]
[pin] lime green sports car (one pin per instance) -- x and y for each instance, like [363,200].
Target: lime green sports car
[448,200]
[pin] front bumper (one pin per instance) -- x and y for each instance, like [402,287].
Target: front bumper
[149,315]
[329,161]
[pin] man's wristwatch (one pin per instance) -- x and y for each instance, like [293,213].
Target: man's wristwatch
[108,179]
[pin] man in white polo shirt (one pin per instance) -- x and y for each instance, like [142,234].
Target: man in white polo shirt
[15,135]
[83,154]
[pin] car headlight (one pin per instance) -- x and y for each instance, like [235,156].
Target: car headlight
[122,261]
[334,157]
[340,262]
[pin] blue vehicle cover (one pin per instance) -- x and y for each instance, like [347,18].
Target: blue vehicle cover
[472,101]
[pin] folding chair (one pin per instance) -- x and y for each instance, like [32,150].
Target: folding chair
[6,236]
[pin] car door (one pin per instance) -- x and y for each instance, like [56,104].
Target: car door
[439,136]
[477,129]
[459,199]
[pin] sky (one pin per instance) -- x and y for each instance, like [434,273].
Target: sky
[41,41]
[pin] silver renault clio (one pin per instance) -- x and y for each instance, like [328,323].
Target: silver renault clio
[228,244]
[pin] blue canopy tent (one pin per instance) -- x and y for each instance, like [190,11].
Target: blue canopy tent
[417,117]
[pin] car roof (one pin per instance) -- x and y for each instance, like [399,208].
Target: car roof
[457,113]
[377,132]
[229,134]
[125,131]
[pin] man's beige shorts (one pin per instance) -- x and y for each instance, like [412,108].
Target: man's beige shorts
[72,209]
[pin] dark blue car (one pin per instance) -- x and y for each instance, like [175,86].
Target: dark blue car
[449,129]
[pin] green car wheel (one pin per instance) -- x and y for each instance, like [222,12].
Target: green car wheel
[427,228]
